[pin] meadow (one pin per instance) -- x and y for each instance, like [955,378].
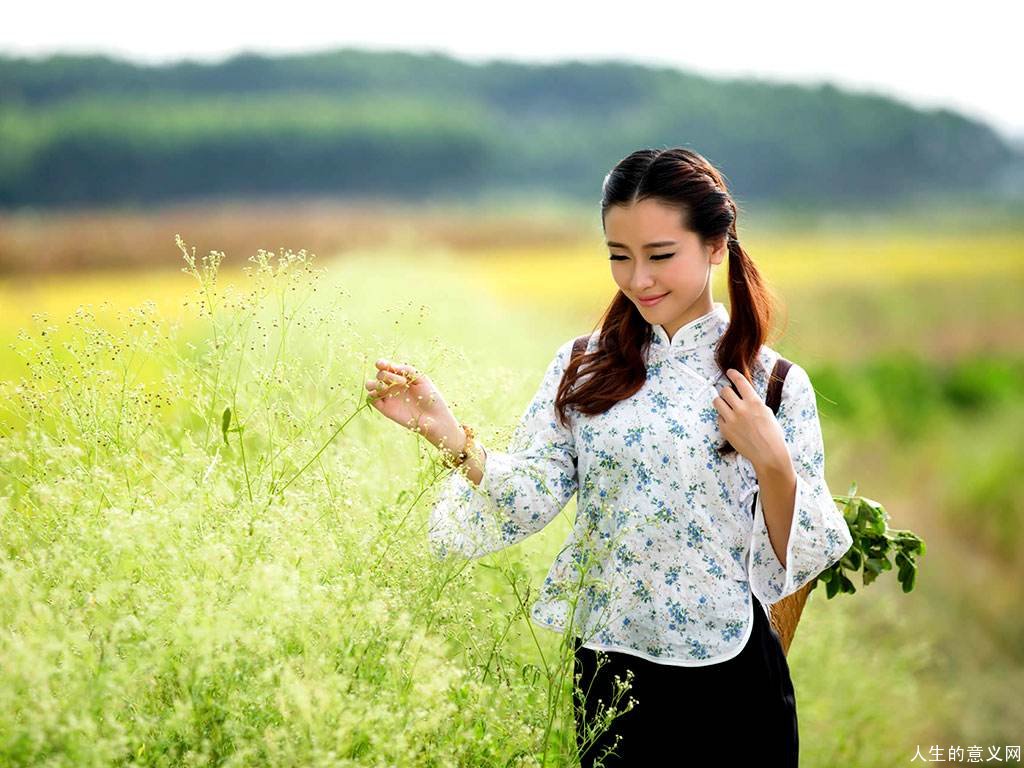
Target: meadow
[214,551]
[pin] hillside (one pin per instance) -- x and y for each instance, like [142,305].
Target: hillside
[91,130]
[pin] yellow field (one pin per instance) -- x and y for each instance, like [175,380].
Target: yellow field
[575,280]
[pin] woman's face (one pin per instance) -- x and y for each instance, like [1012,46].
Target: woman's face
[653,255]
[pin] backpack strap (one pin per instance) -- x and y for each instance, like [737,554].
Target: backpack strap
[773,399]
[579,346]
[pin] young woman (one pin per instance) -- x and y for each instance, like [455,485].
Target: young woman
[661,427]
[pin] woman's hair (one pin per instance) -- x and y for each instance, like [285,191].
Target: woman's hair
[683,178]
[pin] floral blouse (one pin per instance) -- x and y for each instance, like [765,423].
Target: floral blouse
[664,553]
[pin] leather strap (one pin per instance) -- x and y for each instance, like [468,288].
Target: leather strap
[579,345]
[773,399]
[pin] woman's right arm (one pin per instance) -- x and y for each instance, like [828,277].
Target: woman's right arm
[508,495]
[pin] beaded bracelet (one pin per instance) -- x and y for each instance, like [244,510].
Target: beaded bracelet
[451,460]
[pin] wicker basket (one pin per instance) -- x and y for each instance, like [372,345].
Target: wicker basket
[785,615]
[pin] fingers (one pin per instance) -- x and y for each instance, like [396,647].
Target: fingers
[723,408]
[384,382]
[403,369]
[728,395]
[743,385]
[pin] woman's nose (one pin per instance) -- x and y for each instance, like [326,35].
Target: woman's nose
[641,284]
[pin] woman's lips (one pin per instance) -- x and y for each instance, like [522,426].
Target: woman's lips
[655,300]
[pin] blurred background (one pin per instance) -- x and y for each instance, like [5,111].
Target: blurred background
[876,153]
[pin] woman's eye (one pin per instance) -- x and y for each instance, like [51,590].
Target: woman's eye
[658,257]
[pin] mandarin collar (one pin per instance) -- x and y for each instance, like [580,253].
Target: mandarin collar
[703,331]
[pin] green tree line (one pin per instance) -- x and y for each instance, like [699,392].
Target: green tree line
[95,130]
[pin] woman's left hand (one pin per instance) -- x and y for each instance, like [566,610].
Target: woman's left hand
[749,424]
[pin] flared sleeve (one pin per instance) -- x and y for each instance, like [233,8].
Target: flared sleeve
[818,535]
[522,489]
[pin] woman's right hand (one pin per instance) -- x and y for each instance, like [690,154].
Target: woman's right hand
[408,397]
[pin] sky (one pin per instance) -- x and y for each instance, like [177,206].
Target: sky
[965,57]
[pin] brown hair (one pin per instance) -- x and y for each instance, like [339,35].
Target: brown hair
[684,178]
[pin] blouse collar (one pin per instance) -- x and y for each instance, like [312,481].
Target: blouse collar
[703,331]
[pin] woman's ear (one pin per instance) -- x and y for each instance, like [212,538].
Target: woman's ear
[719,248]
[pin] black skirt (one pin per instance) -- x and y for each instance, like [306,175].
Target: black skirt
[738,710]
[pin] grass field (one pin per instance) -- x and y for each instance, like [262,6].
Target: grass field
[173,595]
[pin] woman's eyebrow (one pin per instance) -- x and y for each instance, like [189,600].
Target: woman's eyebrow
[659,244]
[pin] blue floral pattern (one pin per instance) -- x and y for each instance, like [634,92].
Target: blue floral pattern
[664,556]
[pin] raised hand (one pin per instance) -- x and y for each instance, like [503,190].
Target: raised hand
[408,397]
[749,424]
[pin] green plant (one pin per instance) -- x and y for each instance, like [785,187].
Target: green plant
[873,544]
